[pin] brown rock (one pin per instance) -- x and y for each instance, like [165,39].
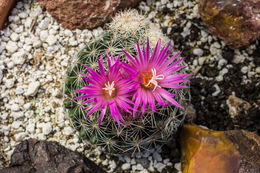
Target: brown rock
[237,22]
[208,151]
[5,7]
[48,157]
[84,14]
[236,105]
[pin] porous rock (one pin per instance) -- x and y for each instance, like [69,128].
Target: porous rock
[83,14]
[235,22]
[41,156]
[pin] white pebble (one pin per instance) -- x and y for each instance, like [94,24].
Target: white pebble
[14,36]
[217,90]
[51,40]
[139,167]
[16,124]
[17,115]
[177,166]
[19,57]
[46,128]
[244,69]
[257,70]
[44,23]
[125,166]
[197,51]
[15,108]
[9,83]
[68,131]
[27,106]
[30,127]
[11,47]
[44,35]
[32,88]
[19,136]
[160,166]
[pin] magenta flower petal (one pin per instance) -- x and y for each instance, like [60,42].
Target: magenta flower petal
[153,73]
[107,89]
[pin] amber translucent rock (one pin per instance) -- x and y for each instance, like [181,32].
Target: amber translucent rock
[208,151]
[237,22]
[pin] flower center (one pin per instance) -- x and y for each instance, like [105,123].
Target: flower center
[150,79]
[109,90]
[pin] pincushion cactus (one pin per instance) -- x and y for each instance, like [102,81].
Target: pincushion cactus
[111,93]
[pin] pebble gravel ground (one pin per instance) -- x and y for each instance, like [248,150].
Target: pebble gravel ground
[35,52]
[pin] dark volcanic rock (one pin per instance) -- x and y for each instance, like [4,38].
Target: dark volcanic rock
[48,157]
[237,22]
[83,14]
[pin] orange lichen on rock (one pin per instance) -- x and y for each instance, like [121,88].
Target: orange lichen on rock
[208,151]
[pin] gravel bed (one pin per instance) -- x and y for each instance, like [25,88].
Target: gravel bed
[35,52]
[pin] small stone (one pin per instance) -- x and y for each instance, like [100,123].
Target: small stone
[157,156]
[32,88]
[19,136]
[9,83]
[127,159]
[238,59]
[257,70]
[44,23]
[15,108]
[19,90]
[46,128]
[244,69]
[30,127]
[125,166]
[197,51]
[219,78]
[11,47]
[14,37]
[201,60]
[16,124]
[68,131]
[19,57]
[160,166]
[51,40]
[236,105]
[177,166]
[139,167]
[44,35]
[17,115]
[23,15]
[27,106]
[36,42]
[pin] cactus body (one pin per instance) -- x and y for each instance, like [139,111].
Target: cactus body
[140,134]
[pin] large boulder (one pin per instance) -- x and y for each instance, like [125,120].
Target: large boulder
[237,22]
[84,14]
[208,151]
[48,157]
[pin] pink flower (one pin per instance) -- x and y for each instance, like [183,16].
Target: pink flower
[154,73]
[107,90]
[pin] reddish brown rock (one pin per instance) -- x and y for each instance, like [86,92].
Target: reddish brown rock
[84,14]
[208,151]
[48,157]
[5,7]
[237,22]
